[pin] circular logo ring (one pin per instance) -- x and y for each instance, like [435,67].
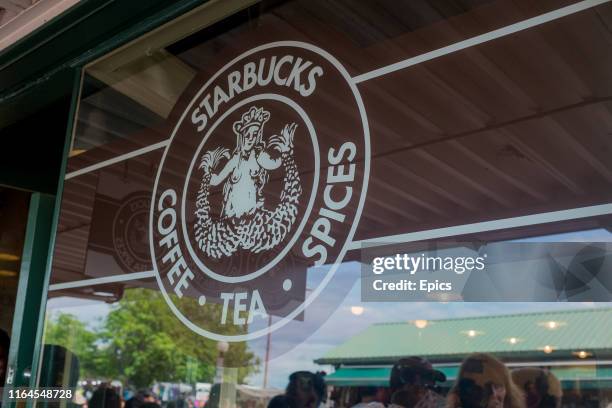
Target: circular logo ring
[345,247]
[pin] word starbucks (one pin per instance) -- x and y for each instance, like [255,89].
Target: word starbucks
[414,264]
[289,71]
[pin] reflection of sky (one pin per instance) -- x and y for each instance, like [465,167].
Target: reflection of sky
[343,324]
[90,312]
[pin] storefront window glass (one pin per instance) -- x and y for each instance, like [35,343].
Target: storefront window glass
[235,173]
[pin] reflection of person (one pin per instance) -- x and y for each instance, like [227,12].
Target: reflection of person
[368,398]
[214,398]
[181,402]
[305,390]
[484,381]
[5,342]
[105,397]
[542,389]
[140,398]
[150,405]
[221,395]
[412,383]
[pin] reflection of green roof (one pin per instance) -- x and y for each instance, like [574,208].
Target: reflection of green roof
[375,376]
[447,340]
[379,376]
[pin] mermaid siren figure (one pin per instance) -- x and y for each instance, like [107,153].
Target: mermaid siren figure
[245,222]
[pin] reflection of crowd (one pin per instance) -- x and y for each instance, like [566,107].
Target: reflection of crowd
[106,395]
[483,382]
[305,389]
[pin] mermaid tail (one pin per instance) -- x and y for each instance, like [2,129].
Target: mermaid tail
[268,228]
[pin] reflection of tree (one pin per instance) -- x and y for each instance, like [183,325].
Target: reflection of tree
[66,330]
[142,342]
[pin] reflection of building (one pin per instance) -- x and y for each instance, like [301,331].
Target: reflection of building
[575,345]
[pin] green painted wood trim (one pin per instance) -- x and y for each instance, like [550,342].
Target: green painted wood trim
[41,312]
[31,275]
[37,258]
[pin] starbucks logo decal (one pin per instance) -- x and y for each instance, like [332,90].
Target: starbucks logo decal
[259,191]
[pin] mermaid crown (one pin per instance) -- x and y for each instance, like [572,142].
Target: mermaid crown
[254,117]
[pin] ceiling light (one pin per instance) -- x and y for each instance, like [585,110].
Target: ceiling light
[548,349]
[582,354]
[104,294]
[421,324]
[357,310]
[513,340]
[551,324]
[472,333]
[6,273]
[5,256]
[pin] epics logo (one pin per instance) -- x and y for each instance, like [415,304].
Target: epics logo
[264,177]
